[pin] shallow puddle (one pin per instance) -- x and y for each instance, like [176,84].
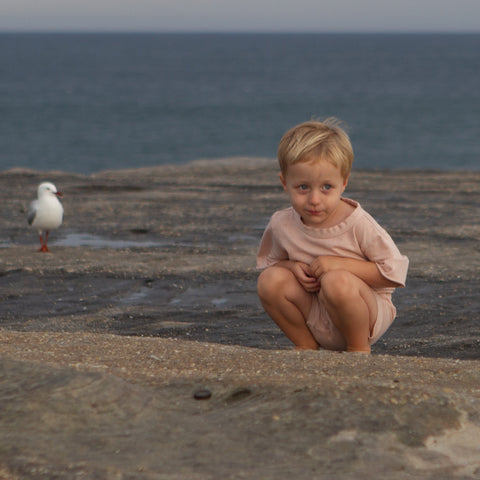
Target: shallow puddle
[96,241]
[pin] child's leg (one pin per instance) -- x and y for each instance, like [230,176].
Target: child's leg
[288,304]
[352,307]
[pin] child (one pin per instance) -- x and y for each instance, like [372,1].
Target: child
[329,268]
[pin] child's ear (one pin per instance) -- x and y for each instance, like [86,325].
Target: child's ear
[345,183]
[282,179]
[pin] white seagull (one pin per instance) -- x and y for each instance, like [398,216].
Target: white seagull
[45,213]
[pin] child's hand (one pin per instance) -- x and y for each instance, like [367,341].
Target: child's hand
[324,264]
[305,277]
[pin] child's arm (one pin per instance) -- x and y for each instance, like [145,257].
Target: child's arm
[363,269]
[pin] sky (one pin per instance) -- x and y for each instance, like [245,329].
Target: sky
[241,15]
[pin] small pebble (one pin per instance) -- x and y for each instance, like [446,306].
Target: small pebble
[203,394]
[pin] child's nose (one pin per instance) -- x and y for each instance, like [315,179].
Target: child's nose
[315,197]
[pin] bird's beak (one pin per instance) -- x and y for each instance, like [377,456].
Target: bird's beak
[59,194]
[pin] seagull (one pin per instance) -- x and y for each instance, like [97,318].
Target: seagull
[45,213]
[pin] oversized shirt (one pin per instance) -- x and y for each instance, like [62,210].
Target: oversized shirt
[359,236]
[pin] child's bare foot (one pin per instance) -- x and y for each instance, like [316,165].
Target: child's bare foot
[298,347]
[366,351]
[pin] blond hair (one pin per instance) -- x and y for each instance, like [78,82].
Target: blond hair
[314,139]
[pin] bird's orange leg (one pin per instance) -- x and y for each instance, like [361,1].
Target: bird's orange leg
[43,245]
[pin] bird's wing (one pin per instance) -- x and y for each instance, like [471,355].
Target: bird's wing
[32,211]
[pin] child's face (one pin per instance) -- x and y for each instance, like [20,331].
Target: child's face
[315,189]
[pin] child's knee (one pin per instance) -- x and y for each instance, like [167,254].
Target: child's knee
[270,281]
[337,286]
[264,283]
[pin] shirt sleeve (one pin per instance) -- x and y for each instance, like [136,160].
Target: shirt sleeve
[379,247]
[270,250]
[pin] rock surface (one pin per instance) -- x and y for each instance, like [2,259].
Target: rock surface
[148,296]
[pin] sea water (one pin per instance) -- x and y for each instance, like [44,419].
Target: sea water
[89,102]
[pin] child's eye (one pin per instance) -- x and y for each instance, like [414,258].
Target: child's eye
[303,187]
[327,187]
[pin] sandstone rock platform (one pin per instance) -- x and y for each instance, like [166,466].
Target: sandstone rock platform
[148,297]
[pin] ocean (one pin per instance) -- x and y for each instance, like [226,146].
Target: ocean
[89,102]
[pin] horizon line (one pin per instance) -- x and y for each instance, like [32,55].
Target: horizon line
[83,31]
